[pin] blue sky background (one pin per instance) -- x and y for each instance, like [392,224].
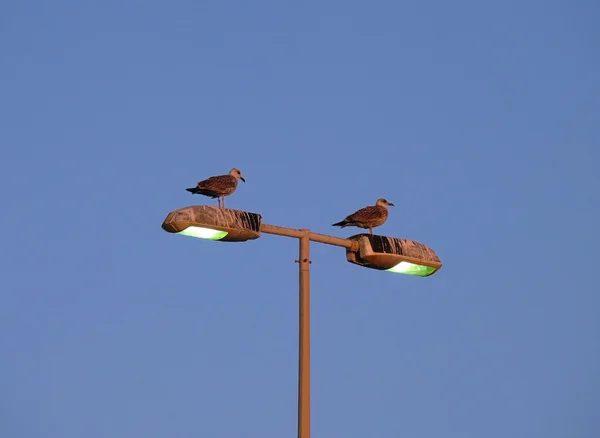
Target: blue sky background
[479,120]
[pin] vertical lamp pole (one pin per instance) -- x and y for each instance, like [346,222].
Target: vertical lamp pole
[305,236]
[304,338]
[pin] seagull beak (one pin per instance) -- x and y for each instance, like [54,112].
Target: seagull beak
[389,203]
[242,178]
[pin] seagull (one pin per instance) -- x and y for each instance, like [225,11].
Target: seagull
[218,186]
[368,217]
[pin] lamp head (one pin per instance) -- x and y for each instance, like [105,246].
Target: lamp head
[393,255]
[213,223]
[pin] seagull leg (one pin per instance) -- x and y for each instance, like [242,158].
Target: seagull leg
[219,201]
[370,230]
[223,201]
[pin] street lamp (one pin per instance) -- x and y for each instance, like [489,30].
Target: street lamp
[213,223]
[391,254]
[376,252]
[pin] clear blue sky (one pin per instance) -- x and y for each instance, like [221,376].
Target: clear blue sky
[479,120]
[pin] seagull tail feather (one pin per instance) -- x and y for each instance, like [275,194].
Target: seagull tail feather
[341,224]
[199,191]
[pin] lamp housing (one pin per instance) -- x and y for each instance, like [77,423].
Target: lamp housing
[392,254]
[214,223]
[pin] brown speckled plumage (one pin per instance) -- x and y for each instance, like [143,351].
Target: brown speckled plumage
[368,217]
[218,186]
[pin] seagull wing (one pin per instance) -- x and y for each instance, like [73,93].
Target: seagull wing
[364,215]
[218,184]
